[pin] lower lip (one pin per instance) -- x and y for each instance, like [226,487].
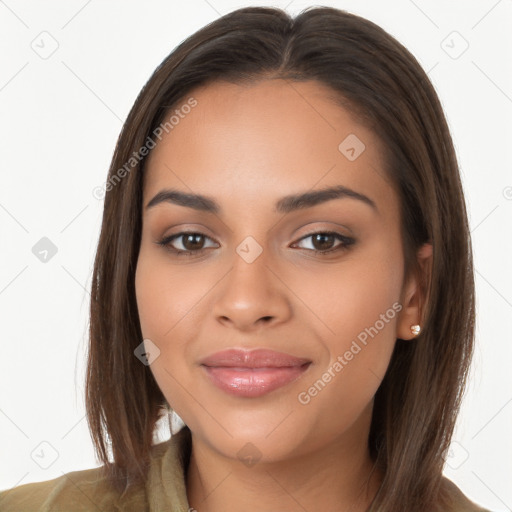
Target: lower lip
[253,382]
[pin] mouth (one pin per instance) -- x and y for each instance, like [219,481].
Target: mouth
[253,373]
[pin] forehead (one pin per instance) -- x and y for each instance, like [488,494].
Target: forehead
[272,138]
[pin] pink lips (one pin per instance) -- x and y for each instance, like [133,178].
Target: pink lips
[253,373]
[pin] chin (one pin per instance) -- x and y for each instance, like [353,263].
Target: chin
[263,436]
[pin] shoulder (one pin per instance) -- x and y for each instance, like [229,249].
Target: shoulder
[455,500]
[76,490]
[90,490]
[85,490]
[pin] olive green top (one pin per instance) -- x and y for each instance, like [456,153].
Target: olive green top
[164,490]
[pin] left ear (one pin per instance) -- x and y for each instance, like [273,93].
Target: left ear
[414,294]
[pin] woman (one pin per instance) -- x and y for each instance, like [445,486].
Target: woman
[284,262]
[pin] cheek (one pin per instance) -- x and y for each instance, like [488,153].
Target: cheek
[162,303]
[359,353]
[352,296]
[150,303]
[359,306]
[164,297]
[169,306]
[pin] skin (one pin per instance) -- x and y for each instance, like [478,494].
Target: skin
[247,147]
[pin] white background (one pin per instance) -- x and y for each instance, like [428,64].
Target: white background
[59,120]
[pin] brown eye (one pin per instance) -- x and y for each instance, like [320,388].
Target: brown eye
[324,242]
[192,241]
[188,243]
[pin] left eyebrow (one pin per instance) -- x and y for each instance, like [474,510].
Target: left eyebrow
[308,199]
[286,204]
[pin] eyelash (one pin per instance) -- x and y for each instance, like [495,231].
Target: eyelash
[346,242]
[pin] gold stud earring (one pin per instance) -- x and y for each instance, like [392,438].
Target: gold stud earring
[415,329]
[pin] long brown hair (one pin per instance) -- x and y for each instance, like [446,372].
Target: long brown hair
[378,80]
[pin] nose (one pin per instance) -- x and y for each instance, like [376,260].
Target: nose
[252,295]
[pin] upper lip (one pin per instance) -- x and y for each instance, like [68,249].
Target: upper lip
[257,358]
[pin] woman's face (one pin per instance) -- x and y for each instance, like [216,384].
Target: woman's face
[252,279]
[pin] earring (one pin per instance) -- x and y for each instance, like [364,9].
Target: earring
[415,329]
